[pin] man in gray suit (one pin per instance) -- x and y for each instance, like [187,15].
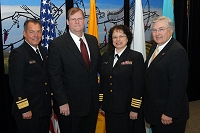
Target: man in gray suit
[165,100]
[74,81]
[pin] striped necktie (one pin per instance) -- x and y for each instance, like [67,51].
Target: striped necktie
[155,54]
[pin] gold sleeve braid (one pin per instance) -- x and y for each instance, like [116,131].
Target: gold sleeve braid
[100,97]
[22,103]
[136,102]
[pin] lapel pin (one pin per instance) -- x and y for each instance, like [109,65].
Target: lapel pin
[163,53]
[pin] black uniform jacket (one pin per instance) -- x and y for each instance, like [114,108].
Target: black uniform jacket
[166,83]
[72,82]
[122,85]
[29,82]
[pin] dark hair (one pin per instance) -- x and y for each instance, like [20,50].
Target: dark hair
[126,31]
[74,10]
[35,21]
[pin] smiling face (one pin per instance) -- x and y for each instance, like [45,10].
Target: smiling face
[161,32]
[33,34]
[119,39]
[76,23]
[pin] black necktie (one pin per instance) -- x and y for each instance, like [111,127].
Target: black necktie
[115,59]
[117,56]
[84,53]
[37,51]
[39,57]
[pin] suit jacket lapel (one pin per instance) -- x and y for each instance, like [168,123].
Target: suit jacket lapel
[33,54]
[90,46]
[159,56]
[150,54]
[111,60]
[72,46]
[43,53]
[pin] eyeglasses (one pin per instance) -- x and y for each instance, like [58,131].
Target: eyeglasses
[161,30]
[75,19]
[120,37]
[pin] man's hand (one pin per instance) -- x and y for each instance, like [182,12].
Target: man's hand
[133,115]
[166,120]
[64,109]
[27,115]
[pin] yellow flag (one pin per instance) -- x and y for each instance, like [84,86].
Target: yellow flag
[92,26]
[93,30]
[101,125]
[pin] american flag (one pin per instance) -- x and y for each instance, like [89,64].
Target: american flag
[48,33]
[48,27]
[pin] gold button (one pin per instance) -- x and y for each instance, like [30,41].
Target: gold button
[46,93]
[45,83]
[110,83]
[110,77]
[110,90]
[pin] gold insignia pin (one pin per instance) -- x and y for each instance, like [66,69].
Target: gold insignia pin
[19,98]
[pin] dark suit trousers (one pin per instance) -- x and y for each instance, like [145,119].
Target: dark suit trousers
[179,128]
[121,123]
[34,125]
[75,124]
[117,122]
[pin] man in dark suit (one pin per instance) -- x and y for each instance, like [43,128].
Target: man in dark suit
[74,81]
[29,82]
[165,100]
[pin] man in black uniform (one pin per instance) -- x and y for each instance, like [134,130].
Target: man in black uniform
[29,82]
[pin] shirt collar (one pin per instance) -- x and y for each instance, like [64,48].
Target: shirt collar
[119,52]
[32,46]
[162,46]
[76,38]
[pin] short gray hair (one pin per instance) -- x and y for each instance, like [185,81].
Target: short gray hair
[166,19]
